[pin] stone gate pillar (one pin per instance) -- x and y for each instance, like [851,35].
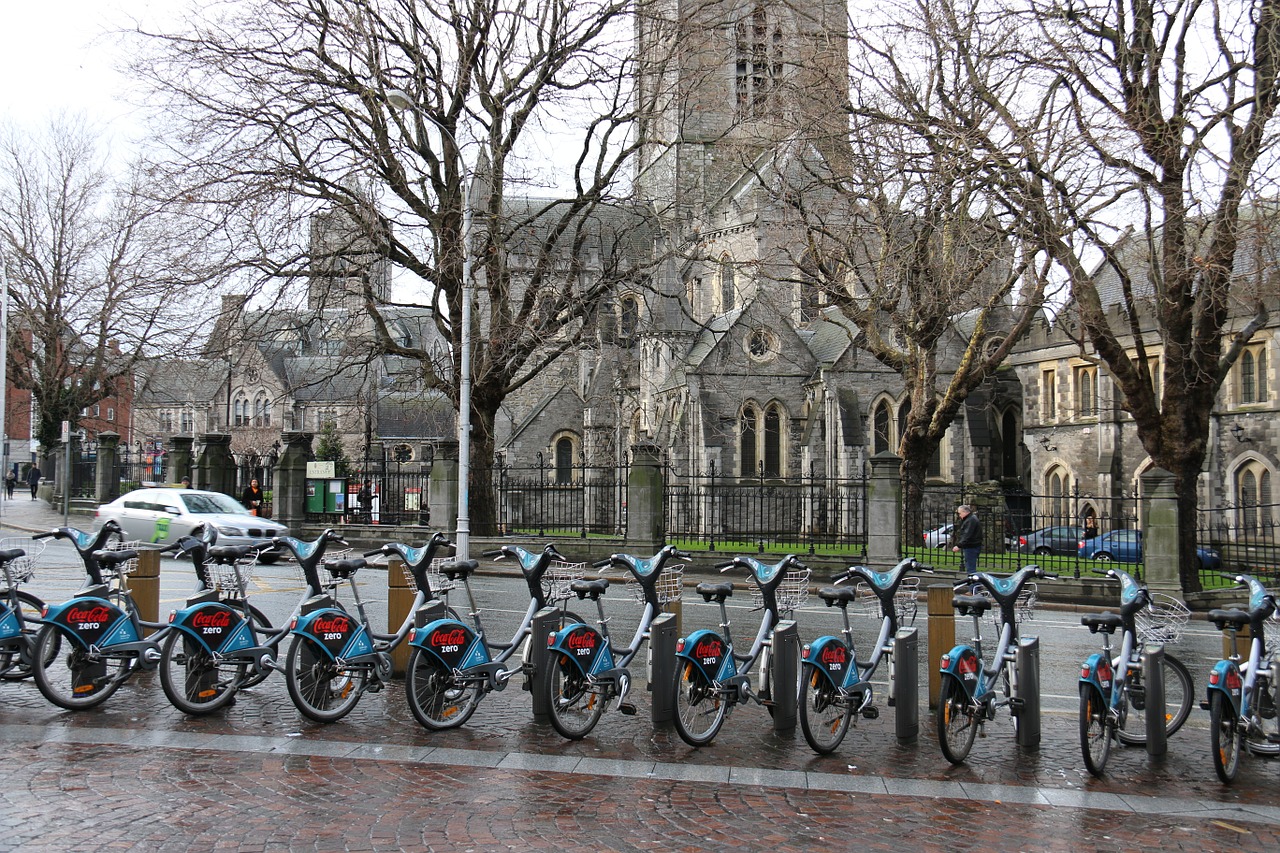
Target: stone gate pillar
[645,520]
[1159,511]
[104,475]
[884,511]
[442,488]
[289,486]
[178,463]
[215,467]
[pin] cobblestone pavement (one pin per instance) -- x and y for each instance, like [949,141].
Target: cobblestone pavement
[136,773]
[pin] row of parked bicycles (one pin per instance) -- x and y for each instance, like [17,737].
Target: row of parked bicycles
[82,650]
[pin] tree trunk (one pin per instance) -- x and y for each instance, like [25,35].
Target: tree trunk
[484,498]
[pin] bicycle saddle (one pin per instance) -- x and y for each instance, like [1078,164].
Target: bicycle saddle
[717,591]
[975,604]
[107,559]
[1233,618]
[8,555]
[346,568]
[229,553]
[833,594]
[1107,623]
[459,569]
[593,588]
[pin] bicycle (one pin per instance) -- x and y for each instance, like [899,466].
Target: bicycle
[1242,696]
[334,658]
[835,685]
[968,697]
[710,677]
[17,609]
[99,626]
[585,672]
[452,665]
[1112,696]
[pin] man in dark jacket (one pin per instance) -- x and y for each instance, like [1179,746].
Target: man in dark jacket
[967,537]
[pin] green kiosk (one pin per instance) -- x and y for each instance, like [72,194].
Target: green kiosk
[326,492]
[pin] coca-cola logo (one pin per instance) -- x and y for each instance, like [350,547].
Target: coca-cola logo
[834,654]
[582,640]
[333,625]
[211,619]
[448,637]
[98,613]
[707,649]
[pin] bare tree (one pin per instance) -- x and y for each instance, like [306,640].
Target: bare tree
[520,111]
[1140,135]
[99,277]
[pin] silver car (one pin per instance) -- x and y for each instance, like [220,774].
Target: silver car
[160,516]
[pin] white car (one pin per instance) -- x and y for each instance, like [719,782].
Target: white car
[161,516]
[938,537]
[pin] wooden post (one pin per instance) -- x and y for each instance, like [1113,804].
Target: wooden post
[942,634]
[144,586]
[399,599]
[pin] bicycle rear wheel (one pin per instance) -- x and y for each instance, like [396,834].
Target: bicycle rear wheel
[824,712]
[70,677]
[1095,729]
[1224,737]
[436,697]
[574,703]
[700,705]
[11,663]
[321,688]
[1179,693]
[194,680]
[957,723]
[261,625]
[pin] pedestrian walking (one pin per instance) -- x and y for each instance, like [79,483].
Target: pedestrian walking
[10,481]
[33,480]
[967,537]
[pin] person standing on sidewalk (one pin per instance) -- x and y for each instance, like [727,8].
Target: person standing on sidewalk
[33,479]
[967,537]
[10,481]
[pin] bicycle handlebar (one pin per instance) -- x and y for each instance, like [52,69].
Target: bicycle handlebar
[495,554]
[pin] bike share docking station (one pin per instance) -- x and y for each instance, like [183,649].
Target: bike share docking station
[1153,698]
[1027,708]
[786,676]
[904,685]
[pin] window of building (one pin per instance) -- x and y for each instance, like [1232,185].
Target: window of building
[748,441]
[1057,488]
[762,345]
[1254,508]
[166,421]
[111,413]
[1153,367]
[1009,445]
[241,416]
[773,441]
[728,285]
[262,411]
[758,70]
[1251,372]
[1049,394]
[188,423]
[761,440]
[630,317]
[881,439]
[1086,391]
[564,451]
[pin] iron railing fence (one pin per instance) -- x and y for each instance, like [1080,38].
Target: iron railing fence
[804,514]
[1246,537]
[546,499]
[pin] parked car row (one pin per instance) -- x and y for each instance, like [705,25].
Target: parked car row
[1120,546]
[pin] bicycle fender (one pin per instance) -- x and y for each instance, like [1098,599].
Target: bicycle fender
[1098,672]
[585,646]
[455,644]
[962,664]
[92,622]
[1225,678]
[830,656]
[708,651]
[215,626]
[336,631]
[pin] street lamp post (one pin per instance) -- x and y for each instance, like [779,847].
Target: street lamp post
[401,101]
[4,372]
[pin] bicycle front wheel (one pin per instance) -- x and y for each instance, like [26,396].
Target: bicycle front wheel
[574,703]
[1095,734]
[1179,694]
[436,697]
[29,607]
[824,712]
[70,677]
[1224,737]
[323,689]
[700,705]
[957,724]
[195,681]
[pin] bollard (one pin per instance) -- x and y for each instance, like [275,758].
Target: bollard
[1027,707]
[942,633]
[786,675]
[428,612]
[144,586]
[662,665]
[904,684]
[545,622]
[1154,704]
[399,599]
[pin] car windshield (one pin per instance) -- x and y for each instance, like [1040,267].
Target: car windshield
[212,503]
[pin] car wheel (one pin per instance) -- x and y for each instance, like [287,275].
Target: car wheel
[1103,556]
[1042,550]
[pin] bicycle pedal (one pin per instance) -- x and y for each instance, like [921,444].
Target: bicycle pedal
[373,687]
[628,709]
[871,712]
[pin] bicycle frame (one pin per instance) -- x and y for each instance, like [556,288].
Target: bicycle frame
[1237,680]
[1108,674]
[15,639]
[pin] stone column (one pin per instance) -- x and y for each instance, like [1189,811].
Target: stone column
[1159,510]
[178,464]
[104,480]
[645,521]
[289,489]
[442,488]
[884,511]
[215,468]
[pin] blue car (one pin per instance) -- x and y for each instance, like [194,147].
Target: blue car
[1125,546]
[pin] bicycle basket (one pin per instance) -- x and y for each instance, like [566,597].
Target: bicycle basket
[24,568]
[439,583]
[905,601]
[1163,621]
[1025,607]
[669,586]
[791,593]
[223,575]
[128,567]
[556,580]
